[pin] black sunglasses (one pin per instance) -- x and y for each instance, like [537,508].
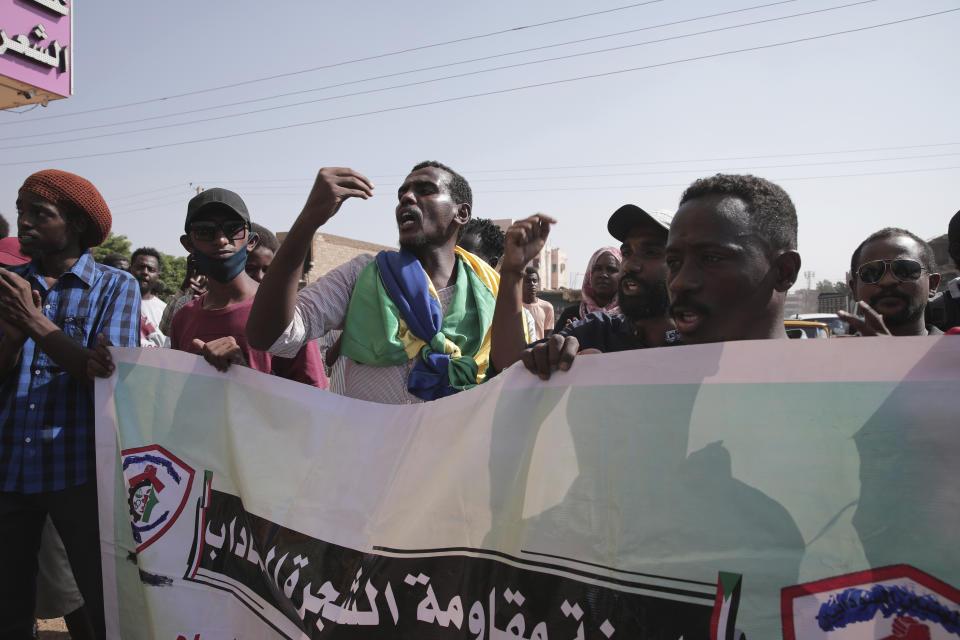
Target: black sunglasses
[903,269]
[208,230]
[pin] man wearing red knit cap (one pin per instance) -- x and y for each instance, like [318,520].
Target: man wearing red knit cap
[57,314]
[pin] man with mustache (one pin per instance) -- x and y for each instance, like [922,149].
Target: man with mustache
[731,256]
[416,323]
[892,277]
[644,321]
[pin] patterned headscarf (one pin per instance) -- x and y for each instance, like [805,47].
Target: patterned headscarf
[61,187]
[590,305]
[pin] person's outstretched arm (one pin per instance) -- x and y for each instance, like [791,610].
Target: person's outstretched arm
[524,240]
[276,299]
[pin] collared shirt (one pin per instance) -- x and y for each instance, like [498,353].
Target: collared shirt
[46,415]
[608,333]
[321,307]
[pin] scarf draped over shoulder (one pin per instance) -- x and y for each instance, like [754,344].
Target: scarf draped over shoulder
[395,316]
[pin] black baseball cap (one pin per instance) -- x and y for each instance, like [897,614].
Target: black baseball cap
[218,198]
[630,215]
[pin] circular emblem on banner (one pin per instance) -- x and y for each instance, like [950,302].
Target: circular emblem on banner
[158,484]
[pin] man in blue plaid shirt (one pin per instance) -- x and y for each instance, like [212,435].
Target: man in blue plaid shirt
[57,314]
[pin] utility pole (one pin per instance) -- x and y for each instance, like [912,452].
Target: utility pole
[809,275]
[196,188]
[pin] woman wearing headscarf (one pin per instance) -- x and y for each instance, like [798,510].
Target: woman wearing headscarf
[600,286]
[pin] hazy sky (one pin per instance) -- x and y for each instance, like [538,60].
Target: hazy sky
[810,115]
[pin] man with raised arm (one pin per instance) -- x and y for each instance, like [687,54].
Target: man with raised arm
[643,321]
[416,323]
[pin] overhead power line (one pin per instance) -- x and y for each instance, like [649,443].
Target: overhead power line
[299,193]
[472,171]
[774,179]
[353,61]
[144,193]
[259,184]
[32,136]
[33,143]
[538,85]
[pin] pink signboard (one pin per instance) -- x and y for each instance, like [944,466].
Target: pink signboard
[35,44]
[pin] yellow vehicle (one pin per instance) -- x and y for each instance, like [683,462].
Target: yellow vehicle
[803,329]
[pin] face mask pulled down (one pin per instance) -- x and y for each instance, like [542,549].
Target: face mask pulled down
[222,270]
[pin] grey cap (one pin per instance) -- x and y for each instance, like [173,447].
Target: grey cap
[630,215]
[221,198]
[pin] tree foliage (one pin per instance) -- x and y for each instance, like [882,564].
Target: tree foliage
[825,286]
[113,244]
[174,267]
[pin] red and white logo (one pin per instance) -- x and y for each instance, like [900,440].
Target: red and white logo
[158,484]
[890,603]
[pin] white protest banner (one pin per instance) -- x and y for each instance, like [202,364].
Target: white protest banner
[777,489]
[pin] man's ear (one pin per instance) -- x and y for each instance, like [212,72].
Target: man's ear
[787,266]
[185,241]
[463,214]
[934,283]
[853,283]
[253,241]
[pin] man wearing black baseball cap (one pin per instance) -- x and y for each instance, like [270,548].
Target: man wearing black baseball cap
[644,321]
[218,238]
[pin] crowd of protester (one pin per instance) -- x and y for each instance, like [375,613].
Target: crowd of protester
[456,305]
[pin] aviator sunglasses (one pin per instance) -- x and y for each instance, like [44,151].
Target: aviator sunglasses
[903,269]
[208,230]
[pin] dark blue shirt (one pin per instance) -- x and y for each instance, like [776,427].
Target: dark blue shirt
[46,415]
[604,332]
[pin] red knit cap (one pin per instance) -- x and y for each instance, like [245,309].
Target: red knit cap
[61,187]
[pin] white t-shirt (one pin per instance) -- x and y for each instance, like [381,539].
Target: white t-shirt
[153,309]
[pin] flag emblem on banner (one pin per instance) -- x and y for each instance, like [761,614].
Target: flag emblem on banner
[725,606]
[157,484]
[896,602]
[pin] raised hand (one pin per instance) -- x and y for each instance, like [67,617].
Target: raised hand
[524,240]
[18,302]
[331,188]
[871,324]
[13,331]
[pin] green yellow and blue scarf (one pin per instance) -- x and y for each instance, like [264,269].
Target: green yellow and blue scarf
[395,315]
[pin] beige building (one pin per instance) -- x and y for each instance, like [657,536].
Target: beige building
[328,251]
[800,301]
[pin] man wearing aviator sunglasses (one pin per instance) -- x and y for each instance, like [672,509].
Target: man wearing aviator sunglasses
[893,278]
[217,237]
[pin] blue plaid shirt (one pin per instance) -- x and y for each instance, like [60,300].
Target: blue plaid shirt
[46,417]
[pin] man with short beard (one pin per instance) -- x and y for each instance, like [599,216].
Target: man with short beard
[892,277]
[643,322]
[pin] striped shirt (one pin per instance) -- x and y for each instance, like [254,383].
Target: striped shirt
[46,415]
